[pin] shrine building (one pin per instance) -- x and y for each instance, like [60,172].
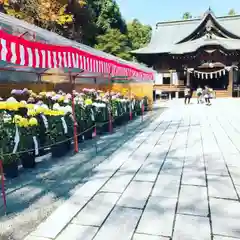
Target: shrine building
[195,52]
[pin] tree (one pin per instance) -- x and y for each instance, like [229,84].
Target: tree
[108,16]
[231,12]
[114,42]
[187,15]
[139,35]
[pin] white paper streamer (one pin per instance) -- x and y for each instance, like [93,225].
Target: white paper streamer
[16,140]
[35,145]
[92,115]
[45,121]
[64,125]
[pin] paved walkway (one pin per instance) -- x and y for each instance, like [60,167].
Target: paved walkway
[177,179]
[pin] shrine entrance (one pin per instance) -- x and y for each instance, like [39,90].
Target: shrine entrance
[214,80]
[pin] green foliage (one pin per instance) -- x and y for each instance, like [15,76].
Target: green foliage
[231,12]
[114,42]
[139,35]
[187,15]
[96,23]
[110,17]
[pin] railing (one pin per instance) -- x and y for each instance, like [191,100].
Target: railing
[168,87]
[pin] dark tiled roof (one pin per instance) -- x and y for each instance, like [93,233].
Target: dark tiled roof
[167,34]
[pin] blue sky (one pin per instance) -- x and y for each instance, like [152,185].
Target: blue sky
[153,11]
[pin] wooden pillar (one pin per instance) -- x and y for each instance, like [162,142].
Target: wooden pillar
[230,83]
[171,77]
[188,78]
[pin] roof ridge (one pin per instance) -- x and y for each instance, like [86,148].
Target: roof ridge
[186,21]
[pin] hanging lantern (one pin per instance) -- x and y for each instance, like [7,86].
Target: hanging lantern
[206,75]
[211,75]
[224,72]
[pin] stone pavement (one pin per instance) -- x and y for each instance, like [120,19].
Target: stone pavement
[177,179]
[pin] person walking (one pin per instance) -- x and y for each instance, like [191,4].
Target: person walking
[187,95]
[199,94]
[206,93]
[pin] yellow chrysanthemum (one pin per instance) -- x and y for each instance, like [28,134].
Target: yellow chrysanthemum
[30,106]
[40,110]
[2,105]
[61,99]
[31,112]
[22,104]
[53,113]
[21,122]
[17,119]
[12,106]
[88,101]
[33,121]
[42,93]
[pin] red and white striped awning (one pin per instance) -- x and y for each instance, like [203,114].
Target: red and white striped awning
[19,51]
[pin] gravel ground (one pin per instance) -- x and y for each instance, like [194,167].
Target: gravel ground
[35,194]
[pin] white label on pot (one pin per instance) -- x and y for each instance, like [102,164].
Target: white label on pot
[92,115]
[45,121]
[65,128]
[16,140]
[133,105]
[35,145]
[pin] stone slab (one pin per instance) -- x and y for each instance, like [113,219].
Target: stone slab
[78,232]
[225,217]
[224,238]
[36,238]
[216,166]
[157,218]
[136,194]
[235,174]
[232,160]
[132,165]
[191,228]
[194,177]
[91,187]
[120,224]
[193,200]
[148,171]
[167,185]
[221,187]
[56,222]
[95,212]
[137,236]
[118,182]
[195,164]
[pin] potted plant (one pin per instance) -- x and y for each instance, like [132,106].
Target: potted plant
[9,145]
[69,135]
[101,113]
[28,144]
[89,119]
[57,131]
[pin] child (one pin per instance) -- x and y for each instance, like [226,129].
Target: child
[207,95]
[187,95]
[199,94]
